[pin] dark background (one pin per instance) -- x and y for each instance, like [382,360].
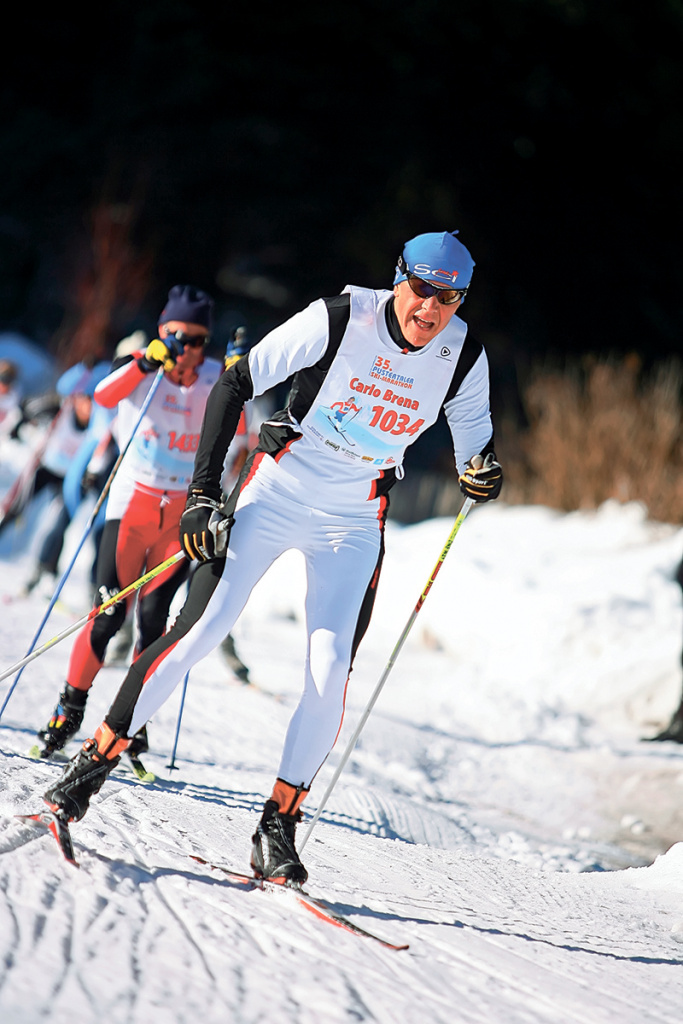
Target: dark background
[274,154]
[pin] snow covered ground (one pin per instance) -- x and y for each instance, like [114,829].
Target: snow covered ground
[500,813]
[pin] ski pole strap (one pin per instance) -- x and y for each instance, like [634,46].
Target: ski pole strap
[466,506]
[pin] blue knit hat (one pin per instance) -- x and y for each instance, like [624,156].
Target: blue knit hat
[189,305]
[437,257]
[81,379]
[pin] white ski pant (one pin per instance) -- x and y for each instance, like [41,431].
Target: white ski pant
[341,555]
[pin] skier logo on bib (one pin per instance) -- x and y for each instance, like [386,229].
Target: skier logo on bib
[341,414]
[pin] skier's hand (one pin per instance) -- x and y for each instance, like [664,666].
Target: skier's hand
[160,353]
[482,479]
[204,528]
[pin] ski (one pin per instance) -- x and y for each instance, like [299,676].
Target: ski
[130,761]
[138,769]
[58,827]
[44,753]
[18,834]
[316,906]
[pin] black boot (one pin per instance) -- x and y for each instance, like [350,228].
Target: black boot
[66,720]
[673,731]
[139,744]
[85,775]
[273,854]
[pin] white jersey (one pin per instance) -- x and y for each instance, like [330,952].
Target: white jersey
[161,454]
[372,402]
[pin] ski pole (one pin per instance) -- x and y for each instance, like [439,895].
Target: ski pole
[92,614]
[466,506]
[172,765]
[89,524]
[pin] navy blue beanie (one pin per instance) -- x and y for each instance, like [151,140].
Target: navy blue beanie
[189,305]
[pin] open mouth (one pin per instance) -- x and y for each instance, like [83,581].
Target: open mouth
[424,325]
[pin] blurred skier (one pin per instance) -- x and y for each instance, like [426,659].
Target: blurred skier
[69,409]
[85,470]
[406,356]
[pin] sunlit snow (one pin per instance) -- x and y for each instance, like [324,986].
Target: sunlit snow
[500,813]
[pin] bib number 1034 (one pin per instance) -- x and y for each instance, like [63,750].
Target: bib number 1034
[393,422]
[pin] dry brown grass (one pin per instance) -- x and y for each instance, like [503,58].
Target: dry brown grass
[599,429]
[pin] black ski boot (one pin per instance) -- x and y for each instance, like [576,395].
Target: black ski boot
[139,744]
[85,774]
[65,722]
[273,854]
[673,731]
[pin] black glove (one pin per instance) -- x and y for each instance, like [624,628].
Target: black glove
[482,478]
[160,353]
[204,528]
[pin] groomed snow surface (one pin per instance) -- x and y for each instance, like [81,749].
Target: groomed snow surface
[500,814]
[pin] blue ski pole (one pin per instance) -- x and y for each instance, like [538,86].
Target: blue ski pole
[172,766]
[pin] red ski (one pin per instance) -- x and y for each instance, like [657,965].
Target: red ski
[58,826]
[322,910]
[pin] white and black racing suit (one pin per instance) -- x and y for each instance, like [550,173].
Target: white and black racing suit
[318,482]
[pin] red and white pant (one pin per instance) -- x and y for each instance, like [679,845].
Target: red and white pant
[144,536]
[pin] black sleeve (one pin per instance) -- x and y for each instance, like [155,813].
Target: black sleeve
[119,362]
[221,418]
[471,351]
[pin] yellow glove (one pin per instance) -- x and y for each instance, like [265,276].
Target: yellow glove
[158,353]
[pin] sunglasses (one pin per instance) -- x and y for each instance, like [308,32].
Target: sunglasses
[193,340]
[425,290]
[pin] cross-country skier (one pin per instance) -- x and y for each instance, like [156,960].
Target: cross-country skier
[405,355]
[148,494]
[69,409]
[86,426]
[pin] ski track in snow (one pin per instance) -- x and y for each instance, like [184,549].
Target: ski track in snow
[499,813]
